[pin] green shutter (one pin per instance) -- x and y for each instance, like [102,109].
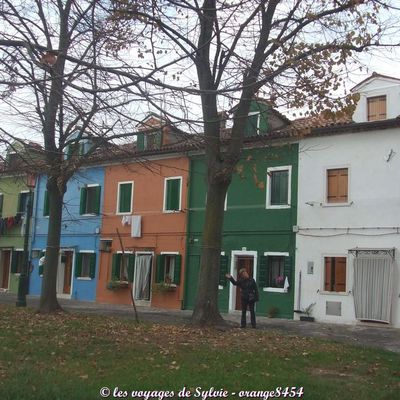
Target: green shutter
[116,267]
[177,269]
[92,266]
[263,269]
[173,192]
[97,192]
[140,142]
[46,208]
[131,266]
[223,270]
[1,204]
[287,269]
[158,140]
[279,187]
[14,262]
[82,208]
[70,150]
[81,148]
[78,265]
[125,197]
[160,269]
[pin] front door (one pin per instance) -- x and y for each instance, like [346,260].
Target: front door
[142,277]
[67,272]
[246,262]
[373,289]
[64,273]
[5,268]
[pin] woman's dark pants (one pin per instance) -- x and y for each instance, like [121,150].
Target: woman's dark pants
[246,303]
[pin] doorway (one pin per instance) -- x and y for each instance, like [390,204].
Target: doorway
[373,278]
[64,274]
[241,259]
[142,277]
[5,258]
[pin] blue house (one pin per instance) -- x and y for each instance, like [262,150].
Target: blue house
[80,235]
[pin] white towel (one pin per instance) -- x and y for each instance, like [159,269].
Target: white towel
[286,284]
[136,227]
[126,220]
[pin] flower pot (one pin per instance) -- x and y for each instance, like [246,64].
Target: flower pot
[306,318]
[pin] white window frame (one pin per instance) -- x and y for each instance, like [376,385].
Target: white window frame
[85,278]
[322,290]
[250,114]
[268,197]
[276,254]
[165,194]
[170,253]
[87,186]
[344,204]
[117,212]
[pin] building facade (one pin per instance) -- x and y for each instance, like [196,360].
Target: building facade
[349,212]
[78,263]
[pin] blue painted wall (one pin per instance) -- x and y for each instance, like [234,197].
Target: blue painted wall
[79,232]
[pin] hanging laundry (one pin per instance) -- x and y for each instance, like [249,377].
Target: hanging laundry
[286,284]
[126,220]
[136,228]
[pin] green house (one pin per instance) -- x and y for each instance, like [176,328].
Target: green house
[260,212]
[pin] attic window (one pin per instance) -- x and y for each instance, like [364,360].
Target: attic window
[376,107]
[152,141]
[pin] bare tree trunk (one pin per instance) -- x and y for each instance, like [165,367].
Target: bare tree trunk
[48,298]
[206,310]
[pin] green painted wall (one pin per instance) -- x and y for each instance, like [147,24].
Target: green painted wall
[10,187]
[247,222]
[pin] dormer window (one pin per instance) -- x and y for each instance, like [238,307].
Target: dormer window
[252,127]
[376,108]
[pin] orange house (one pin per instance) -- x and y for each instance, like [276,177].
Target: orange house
[143,235]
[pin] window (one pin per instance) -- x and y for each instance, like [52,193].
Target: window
[22,202]
[124,197]
[252,127]
[335,274]
[46,205]
[1,204]
[278,187]
[168,268]
[172,194]
[90,200]
[276,276]
[275,271]
[152,141]
[376,108]
[337,185]
[85,265]
[16,261]
[122,267]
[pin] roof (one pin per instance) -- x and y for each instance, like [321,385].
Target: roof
[374,75]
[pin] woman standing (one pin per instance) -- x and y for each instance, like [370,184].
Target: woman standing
[249,295]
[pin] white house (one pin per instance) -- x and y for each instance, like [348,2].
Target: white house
[348,233]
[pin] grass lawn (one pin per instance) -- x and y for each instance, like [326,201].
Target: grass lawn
[72,356]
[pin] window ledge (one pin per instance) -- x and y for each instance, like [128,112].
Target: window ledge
[171,211]
[124,213]
[269,207]
[220,287]
[324,292]
[274,290]
[90,215]
[348,204]
[84,278]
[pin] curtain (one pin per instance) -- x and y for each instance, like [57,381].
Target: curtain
[142,277]
[373,288]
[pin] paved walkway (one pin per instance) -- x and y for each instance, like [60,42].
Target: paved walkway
[371,335]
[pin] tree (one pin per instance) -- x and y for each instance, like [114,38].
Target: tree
[60,80]
[294,52]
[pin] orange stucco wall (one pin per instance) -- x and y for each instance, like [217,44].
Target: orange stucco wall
[161,232]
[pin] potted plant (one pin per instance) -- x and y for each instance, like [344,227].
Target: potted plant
[307,311]
[280,280]
[115,285]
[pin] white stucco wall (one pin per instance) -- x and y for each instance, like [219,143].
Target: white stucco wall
[378,87]
[374,204]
